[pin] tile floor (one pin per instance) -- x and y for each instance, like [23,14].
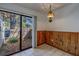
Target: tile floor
[43,50]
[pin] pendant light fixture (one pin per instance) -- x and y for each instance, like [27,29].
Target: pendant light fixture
[50,14]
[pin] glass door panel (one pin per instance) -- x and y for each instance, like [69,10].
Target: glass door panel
[10,33]
[11,40]
[26,32]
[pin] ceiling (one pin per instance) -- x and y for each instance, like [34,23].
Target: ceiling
[42,7]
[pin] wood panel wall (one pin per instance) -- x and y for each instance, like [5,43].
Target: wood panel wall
[40,37]
[66,41]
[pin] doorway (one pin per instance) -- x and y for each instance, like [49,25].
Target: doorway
[15,32]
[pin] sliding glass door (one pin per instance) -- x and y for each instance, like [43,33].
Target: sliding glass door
[15,32]
[9,31]
[26,32]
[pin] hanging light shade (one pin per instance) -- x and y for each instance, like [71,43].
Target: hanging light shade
[50,15]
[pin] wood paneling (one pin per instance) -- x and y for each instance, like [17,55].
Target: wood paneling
[66,41]
[73,43]
[40,37]
[49,37]
[60,38]
[55,39]
[77,45]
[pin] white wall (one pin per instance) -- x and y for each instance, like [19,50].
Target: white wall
[66,19]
